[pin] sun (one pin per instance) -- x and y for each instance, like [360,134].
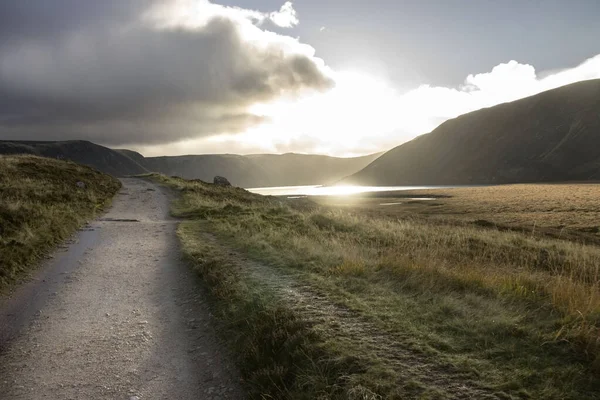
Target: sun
[358,108]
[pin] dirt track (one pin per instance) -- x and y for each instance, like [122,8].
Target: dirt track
[114,315]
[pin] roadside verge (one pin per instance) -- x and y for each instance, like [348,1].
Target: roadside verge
[42,202]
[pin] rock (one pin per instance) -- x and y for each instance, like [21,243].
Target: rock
[219,180]
[81,185]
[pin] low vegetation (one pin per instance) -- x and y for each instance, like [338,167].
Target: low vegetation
[42,202]
[562,211]
[326,302]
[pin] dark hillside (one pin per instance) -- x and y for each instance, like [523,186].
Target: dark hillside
[550,137]
[261,170]
[102,158]
[243,171]
[134,155]
[239,170]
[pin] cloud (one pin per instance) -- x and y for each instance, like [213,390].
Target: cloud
[193,14]
[45,19]
[364,114]
[144,72]
[191,76]
[504,83]
[285,17]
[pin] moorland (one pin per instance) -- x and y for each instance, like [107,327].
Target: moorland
[423,299]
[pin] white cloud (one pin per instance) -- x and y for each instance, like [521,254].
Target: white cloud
[506,82]
[363,114]
[286,17]
[194,14]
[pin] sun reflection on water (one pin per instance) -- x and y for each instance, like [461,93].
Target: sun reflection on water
[298,191]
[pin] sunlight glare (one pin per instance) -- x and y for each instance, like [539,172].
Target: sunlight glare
[358,109]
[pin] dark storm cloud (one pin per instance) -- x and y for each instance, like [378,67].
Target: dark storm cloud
[96,72]
[44,19]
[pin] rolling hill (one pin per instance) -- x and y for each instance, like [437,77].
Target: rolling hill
[261,170]
[82,152]
[245,171]
[550,137]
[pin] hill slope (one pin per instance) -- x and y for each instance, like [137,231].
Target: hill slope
[552,136]
[82,152]
[245,171]
[261,170]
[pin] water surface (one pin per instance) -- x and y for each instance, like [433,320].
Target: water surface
[300,191]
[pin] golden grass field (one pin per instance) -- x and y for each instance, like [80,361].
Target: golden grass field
[570,211]
[459,297]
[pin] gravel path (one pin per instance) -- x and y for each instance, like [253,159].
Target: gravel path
[115,315]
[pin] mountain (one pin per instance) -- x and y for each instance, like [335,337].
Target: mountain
[261,170]
[246,171]
[134,155]
[239,170]
[550,137]
[82,152]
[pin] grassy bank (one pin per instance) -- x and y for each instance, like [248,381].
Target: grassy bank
[41,204]
[322,301]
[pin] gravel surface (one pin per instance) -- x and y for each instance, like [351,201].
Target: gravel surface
[115,315]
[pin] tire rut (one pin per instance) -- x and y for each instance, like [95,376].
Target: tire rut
[350,326]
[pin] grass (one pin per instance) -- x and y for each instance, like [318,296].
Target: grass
[277,349]
[562,211]
[41,204]
[334,302]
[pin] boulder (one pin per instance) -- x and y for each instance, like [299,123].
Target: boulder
[219,180]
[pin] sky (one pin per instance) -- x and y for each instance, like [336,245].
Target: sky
[344,78]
